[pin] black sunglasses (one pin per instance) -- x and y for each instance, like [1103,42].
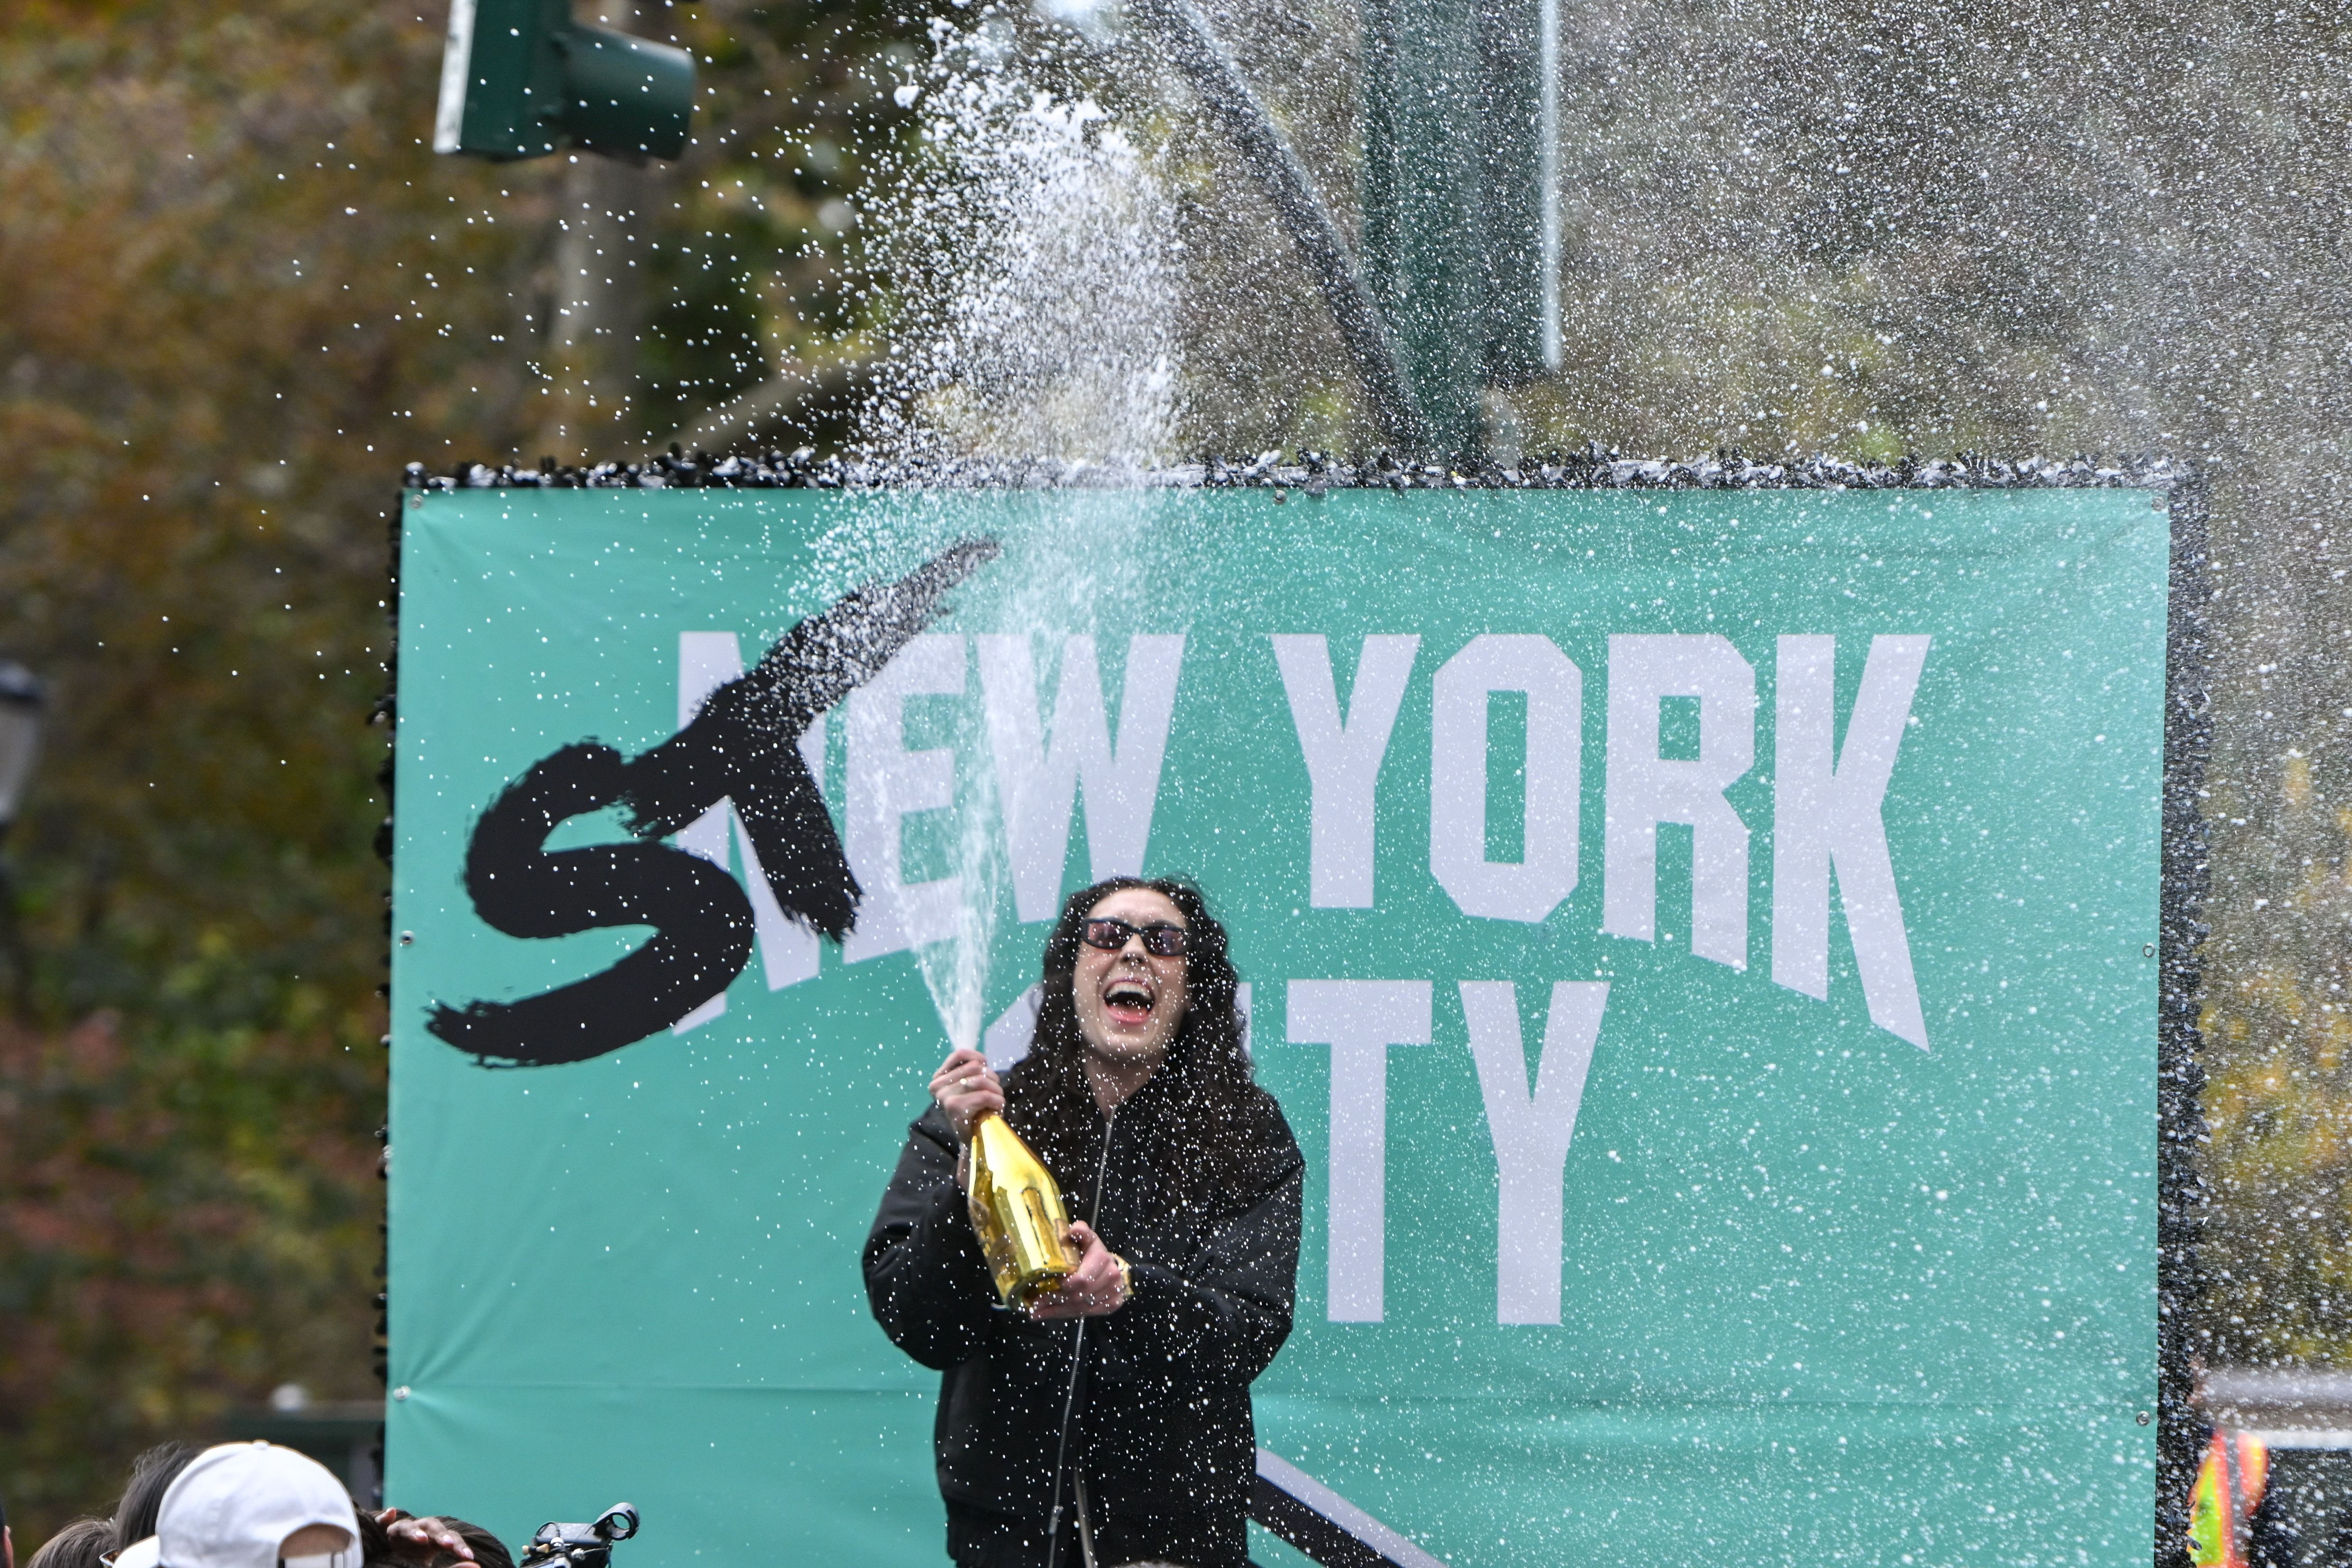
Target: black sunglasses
[1161,941]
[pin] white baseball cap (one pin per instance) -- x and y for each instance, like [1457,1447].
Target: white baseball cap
[234,1507]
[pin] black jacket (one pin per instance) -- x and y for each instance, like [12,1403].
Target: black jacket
[1162,1435]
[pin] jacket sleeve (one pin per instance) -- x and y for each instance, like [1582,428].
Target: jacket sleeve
[926,1279]
[1228,1312]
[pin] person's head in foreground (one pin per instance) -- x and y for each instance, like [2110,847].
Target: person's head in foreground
[79,1545]
[152,1475]
[251,1505]
[1183,1184]
[397,1539]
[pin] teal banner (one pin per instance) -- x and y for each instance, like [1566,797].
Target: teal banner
[1704,941]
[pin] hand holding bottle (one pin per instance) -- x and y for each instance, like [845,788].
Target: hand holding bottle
[1015,1203]
[966,1090]
[1098,1286]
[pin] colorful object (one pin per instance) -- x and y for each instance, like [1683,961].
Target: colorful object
[2229,1488]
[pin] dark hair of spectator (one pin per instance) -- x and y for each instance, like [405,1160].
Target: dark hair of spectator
[78,1545]
[1216,1118]
[152,1475]
[375,1544]
[376,1549]
[488,1549]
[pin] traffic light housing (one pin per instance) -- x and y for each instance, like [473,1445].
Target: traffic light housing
[519,78]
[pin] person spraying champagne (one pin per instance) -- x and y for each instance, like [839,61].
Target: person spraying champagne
[1102,1418]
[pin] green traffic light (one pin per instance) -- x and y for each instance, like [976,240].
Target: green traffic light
[519,78]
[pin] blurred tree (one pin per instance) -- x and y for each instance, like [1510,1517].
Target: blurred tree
[240,291]
[225,274]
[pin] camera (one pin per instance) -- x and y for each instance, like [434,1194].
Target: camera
[581,1545]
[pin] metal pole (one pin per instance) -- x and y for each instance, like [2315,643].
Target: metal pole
[1461,206]
[2181,1430]
[1508,196]
[1423,239]
[597,301]
[1548,64]
[1183,36]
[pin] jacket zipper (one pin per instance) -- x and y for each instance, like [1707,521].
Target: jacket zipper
[1070,1399]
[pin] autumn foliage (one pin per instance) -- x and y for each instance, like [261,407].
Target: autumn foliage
[236,293]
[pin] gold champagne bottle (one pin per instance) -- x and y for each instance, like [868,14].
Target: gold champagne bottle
[1017,1209]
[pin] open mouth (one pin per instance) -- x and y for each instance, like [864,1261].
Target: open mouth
[1129,1000]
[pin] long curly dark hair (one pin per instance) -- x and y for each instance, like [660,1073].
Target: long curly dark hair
[1217,1118]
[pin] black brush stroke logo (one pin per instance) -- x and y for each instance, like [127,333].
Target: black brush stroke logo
[743,746]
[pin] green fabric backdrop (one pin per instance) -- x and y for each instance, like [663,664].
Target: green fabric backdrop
[1823,1295]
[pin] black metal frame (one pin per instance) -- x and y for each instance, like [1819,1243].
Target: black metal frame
[1310,1517]
[2181,1433]
[1323,1525]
